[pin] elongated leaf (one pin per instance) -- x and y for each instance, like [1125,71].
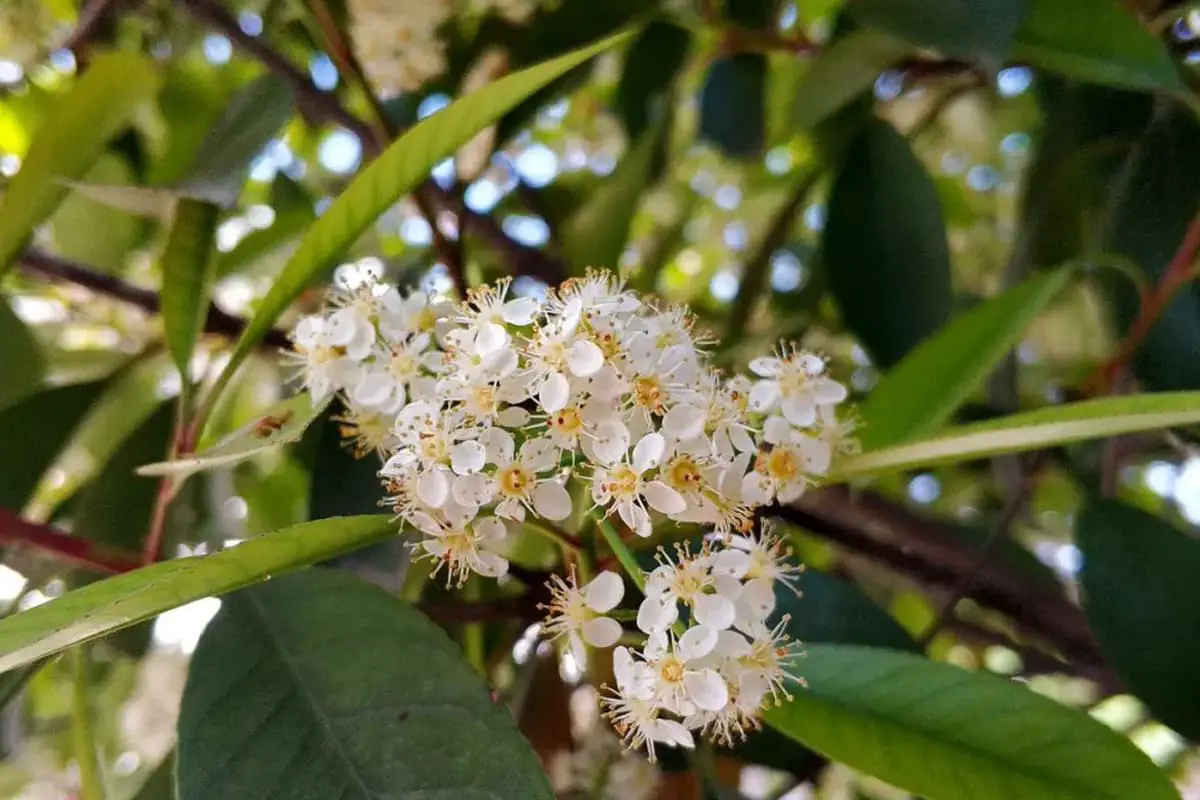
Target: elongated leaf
[128,401]
[21,363]
[188,266]
[31,434]
[283,423]
[597,233]
[115,603]
[948,734]
[654,59]
[317,685]
[400,169]
[1097,41]
[94,233]
[114,509]
[253,116]
[831,611]
[1046,427]
[957,361]
[956,28]
[156,202]
[885,245]
[733,112]
[842,72]
[1142,601]
[1151,212]
[72,136]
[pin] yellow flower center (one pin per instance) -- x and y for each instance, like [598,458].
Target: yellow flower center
[567,421]
[781,465]
[671,670]
[648,394]
[622,483]
[515,481]
[683,474]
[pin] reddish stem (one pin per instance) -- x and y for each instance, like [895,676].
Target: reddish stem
[78,550]
[1177,275]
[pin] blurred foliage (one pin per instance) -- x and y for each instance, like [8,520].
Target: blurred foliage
[973,208]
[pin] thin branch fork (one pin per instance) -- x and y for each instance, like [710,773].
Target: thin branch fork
[925,550]
[319,106]
[44,265]
[1177,275]
[75,549]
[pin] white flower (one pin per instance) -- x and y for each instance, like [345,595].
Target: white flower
[578,613]
[485,313]
[624,488]
[326,364]
[784,471]
[384,383]
[518,483]
[688,580]
[794,381]
[634,711]
[682,685]
[463,547]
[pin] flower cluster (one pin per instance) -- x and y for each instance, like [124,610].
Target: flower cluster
[402,45]
[494,409]
[712,668]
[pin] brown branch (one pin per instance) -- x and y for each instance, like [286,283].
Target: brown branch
[77,550]
[91,21]
[931,553]
[482,611]
[54,268]
[319,106]
[1177,275]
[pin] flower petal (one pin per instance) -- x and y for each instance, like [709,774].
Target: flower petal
[601,632]
[706,689]
[489,337]
[584,358]
[800,409]
[698,642]
[554,393]
[764,395]
[663,498]
[611,442]
[656,614]
[520,311]
[765,366]
[714,611]
[648,452]
[684,422]
[467,457]
[551,500]
[433,487]
[776,430]
[603,592]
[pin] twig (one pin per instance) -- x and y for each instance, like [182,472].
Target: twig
[91,19]
[1000,531]
[37,262]
[1177,275]
[923,549]
[319,106]
[754,274]
[75,549]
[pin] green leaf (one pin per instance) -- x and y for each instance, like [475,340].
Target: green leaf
[128,401]
[1142,602]
[397,171]
[159,784]
[733,112]
[317,685]
[252,118]
[957,360]
[73,134]
[1097,41]
[1152,209]
[115,508]
[844,71]
[654,59]
[341,483]
[283,423]
[1032,430]
[31,434]
[155,202]
[116,603]
[885,247]
[956,28]
[597,233]
[188,267]
[831,611]
[948,734]
[92,232]
[22,365]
